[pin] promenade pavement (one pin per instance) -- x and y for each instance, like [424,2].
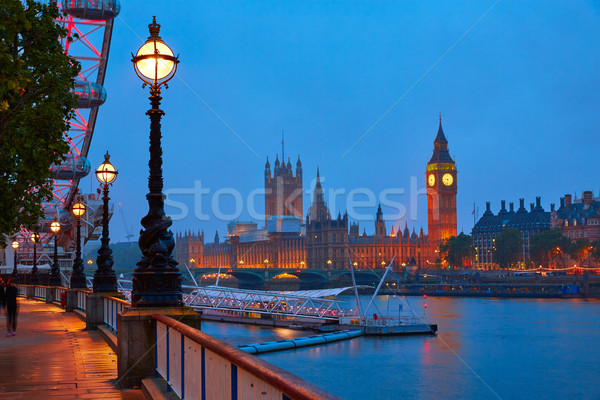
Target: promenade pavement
[53,357]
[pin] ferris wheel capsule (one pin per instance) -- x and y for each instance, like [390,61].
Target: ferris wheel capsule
[90,94]
[92,9]
[71,168]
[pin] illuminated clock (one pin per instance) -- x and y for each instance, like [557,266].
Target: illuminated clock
[447,179]
[431,179]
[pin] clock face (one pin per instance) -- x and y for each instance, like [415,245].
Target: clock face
[431,179]
[447,179]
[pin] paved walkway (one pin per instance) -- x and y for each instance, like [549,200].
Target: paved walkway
[54,357]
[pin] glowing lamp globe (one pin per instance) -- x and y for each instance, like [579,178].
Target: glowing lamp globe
[15,244]
[78,209]
[155,62]
[106,172]
[55,226]
[33,237]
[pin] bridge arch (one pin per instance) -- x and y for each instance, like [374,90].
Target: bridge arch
[344,278]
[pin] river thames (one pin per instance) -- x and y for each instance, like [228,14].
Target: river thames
[486,348]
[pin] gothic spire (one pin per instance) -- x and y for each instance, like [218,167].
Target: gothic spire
[440,138]
[318,208]
[440,148]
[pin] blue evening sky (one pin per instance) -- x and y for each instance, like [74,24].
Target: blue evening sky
[518,95]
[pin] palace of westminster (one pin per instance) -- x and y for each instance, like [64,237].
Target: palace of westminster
[317,240]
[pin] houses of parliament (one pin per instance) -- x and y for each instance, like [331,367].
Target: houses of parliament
[319,240]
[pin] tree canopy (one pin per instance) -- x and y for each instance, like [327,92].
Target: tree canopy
[548,245]
[508,247]
[36,101]
[457,250]
[579,250]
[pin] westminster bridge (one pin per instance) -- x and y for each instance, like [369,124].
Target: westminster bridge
[285,278]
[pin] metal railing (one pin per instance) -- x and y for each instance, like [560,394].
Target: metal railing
[39,292]
[81,303]
[195,364]
[111,306]
[58,294]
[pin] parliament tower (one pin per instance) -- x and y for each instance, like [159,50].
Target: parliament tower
[441,191]
[283,190]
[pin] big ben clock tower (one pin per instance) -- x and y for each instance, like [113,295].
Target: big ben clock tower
[441,191]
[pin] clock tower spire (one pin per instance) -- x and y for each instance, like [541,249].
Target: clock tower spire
[441,191]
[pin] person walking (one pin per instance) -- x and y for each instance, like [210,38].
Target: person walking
[2,299]
[10,295]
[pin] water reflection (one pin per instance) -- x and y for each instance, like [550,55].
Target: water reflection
[519,348]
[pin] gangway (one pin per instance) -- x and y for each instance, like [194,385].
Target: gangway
[308,304]
[260,302]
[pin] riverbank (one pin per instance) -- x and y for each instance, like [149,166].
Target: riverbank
[488,290]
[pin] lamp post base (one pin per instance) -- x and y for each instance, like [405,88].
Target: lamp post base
[156,289]
[78,281]
[105,282]
[35,276]
[55,279]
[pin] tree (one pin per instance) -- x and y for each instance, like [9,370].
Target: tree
[579,250]
[36,78]
[457,249]
[595,252]
[547,245]
[508,247]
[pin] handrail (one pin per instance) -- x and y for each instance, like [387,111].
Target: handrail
[118,300]
[111,306]
[293,386]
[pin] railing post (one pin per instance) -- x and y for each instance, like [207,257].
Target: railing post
[30,292]
[49,294]
[71,300]
[137,336]
[94,313]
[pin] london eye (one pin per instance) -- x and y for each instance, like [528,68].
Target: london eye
[89,23]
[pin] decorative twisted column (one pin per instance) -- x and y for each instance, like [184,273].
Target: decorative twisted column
[35,273]
[78,277]
[55,270]
[105,279]
[15,273]
[156,280]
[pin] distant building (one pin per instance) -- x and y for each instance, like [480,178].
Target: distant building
[489,226]
[323,241]
[578,218]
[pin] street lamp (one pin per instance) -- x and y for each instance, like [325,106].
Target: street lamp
[15,246]
[156,280]
[35,274]
[77,276]
[55,270]
[105,279]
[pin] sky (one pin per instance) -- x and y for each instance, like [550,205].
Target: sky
[358,88]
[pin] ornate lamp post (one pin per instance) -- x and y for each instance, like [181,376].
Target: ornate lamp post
[55,270]
[156,280]
[77,276]
[105,279]
[35,274]
[15,246]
